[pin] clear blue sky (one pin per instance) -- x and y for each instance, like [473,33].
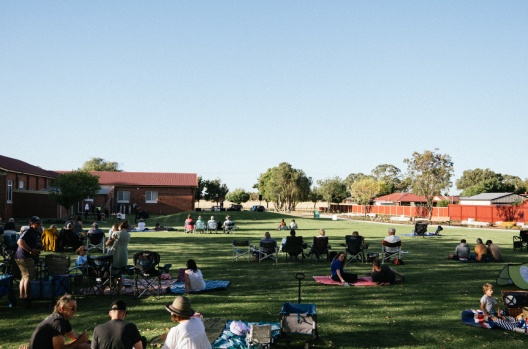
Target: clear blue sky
[228,89]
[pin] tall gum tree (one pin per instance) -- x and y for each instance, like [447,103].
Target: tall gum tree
[430,175]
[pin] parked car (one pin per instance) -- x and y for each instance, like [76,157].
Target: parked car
[235,207]
[215,208]
[258,208]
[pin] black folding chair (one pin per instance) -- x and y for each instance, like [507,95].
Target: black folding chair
[319,248]
[294,247]
[147,273]
[100,275]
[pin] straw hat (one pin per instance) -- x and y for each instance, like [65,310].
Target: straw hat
[180,306]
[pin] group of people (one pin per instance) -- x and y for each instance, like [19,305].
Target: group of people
[283,226]
[211,224]
[482,252]
[117,333]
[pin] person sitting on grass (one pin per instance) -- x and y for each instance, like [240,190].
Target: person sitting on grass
[282,225]
[481,251]
[190,333]
[50,333]
[383,274]
[338,273]
[490,308]
[461,252]
[194,280]
[494,251]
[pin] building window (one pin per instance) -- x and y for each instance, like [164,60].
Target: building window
[20,184]
[9,191]
[151,197]
[123,196]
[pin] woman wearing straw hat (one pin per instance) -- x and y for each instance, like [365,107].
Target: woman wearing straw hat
[190,333]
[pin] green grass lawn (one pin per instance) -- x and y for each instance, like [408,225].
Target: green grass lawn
[422,313]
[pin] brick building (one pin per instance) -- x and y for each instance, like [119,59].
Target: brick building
[157,193]
[24,190]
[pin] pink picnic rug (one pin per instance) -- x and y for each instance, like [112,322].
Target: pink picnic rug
[361,281]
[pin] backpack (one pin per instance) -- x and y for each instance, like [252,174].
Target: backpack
[397,261]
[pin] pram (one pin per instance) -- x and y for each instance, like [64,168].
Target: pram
[298,320]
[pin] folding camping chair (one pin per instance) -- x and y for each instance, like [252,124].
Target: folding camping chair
[319,248]
[147,273]
[199,227]
[212,226]
[294,247]
[95,241]
[241,248]
[521,241]
[268,250]
[99,275]
[229,227]
[355,244]
[56,268]
[390,249]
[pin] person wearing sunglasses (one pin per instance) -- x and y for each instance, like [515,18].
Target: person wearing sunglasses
[50,333]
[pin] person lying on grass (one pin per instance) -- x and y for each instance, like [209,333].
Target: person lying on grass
[383,274]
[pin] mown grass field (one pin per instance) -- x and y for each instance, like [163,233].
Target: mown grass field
[422,313]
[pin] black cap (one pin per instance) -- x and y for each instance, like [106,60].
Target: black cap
[119,305]
[35,219]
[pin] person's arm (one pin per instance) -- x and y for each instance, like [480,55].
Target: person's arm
[187,282]
[338,272]
[138,345]
[77,341]
[25,247]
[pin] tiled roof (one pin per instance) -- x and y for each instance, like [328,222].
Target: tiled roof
[401,197]
[14,165]
[147,178]
[486,196]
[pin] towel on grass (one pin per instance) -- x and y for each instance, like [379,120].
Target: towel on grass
[361,281]
[178,287]
[474,317]
[228,339]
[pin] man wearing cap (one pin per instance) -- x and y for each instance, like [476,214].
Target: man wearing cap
[27,255]
[190,333]
[117,333]
[50,333]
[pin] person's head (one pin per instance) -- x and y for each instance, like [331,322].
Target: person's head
[35,222]
[355,233]
[124,225]
[189,216]
[340,256]
[53,227]
[66,306]
[157,225]
[82,250]
[292,232]
[479,241]
[282,220]
[11,220]
[463,241]
[69,225]
[322,232]
[180,309]
[376,264]
[293,220]
[487,289]
[267,235]
[489,242]
[191,264]
[95,225]
[118,310]
[212,218]
[228,218]
[200,218]
[392,231]
[115,227]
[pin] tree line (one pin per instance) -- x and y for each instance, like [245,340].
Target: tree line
[428,174]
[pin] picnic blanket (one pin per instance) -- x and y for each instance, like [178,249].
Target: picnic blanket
[228,339]
[361,281]
[476,318]
[425,234]
[178,287]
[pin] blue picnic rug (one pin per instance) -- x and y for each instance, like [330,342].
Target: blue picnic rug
[476,318]
[228,339]
[178,287]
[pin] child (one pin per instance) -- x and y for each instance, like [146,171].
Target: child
[491,309]
[81,259]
